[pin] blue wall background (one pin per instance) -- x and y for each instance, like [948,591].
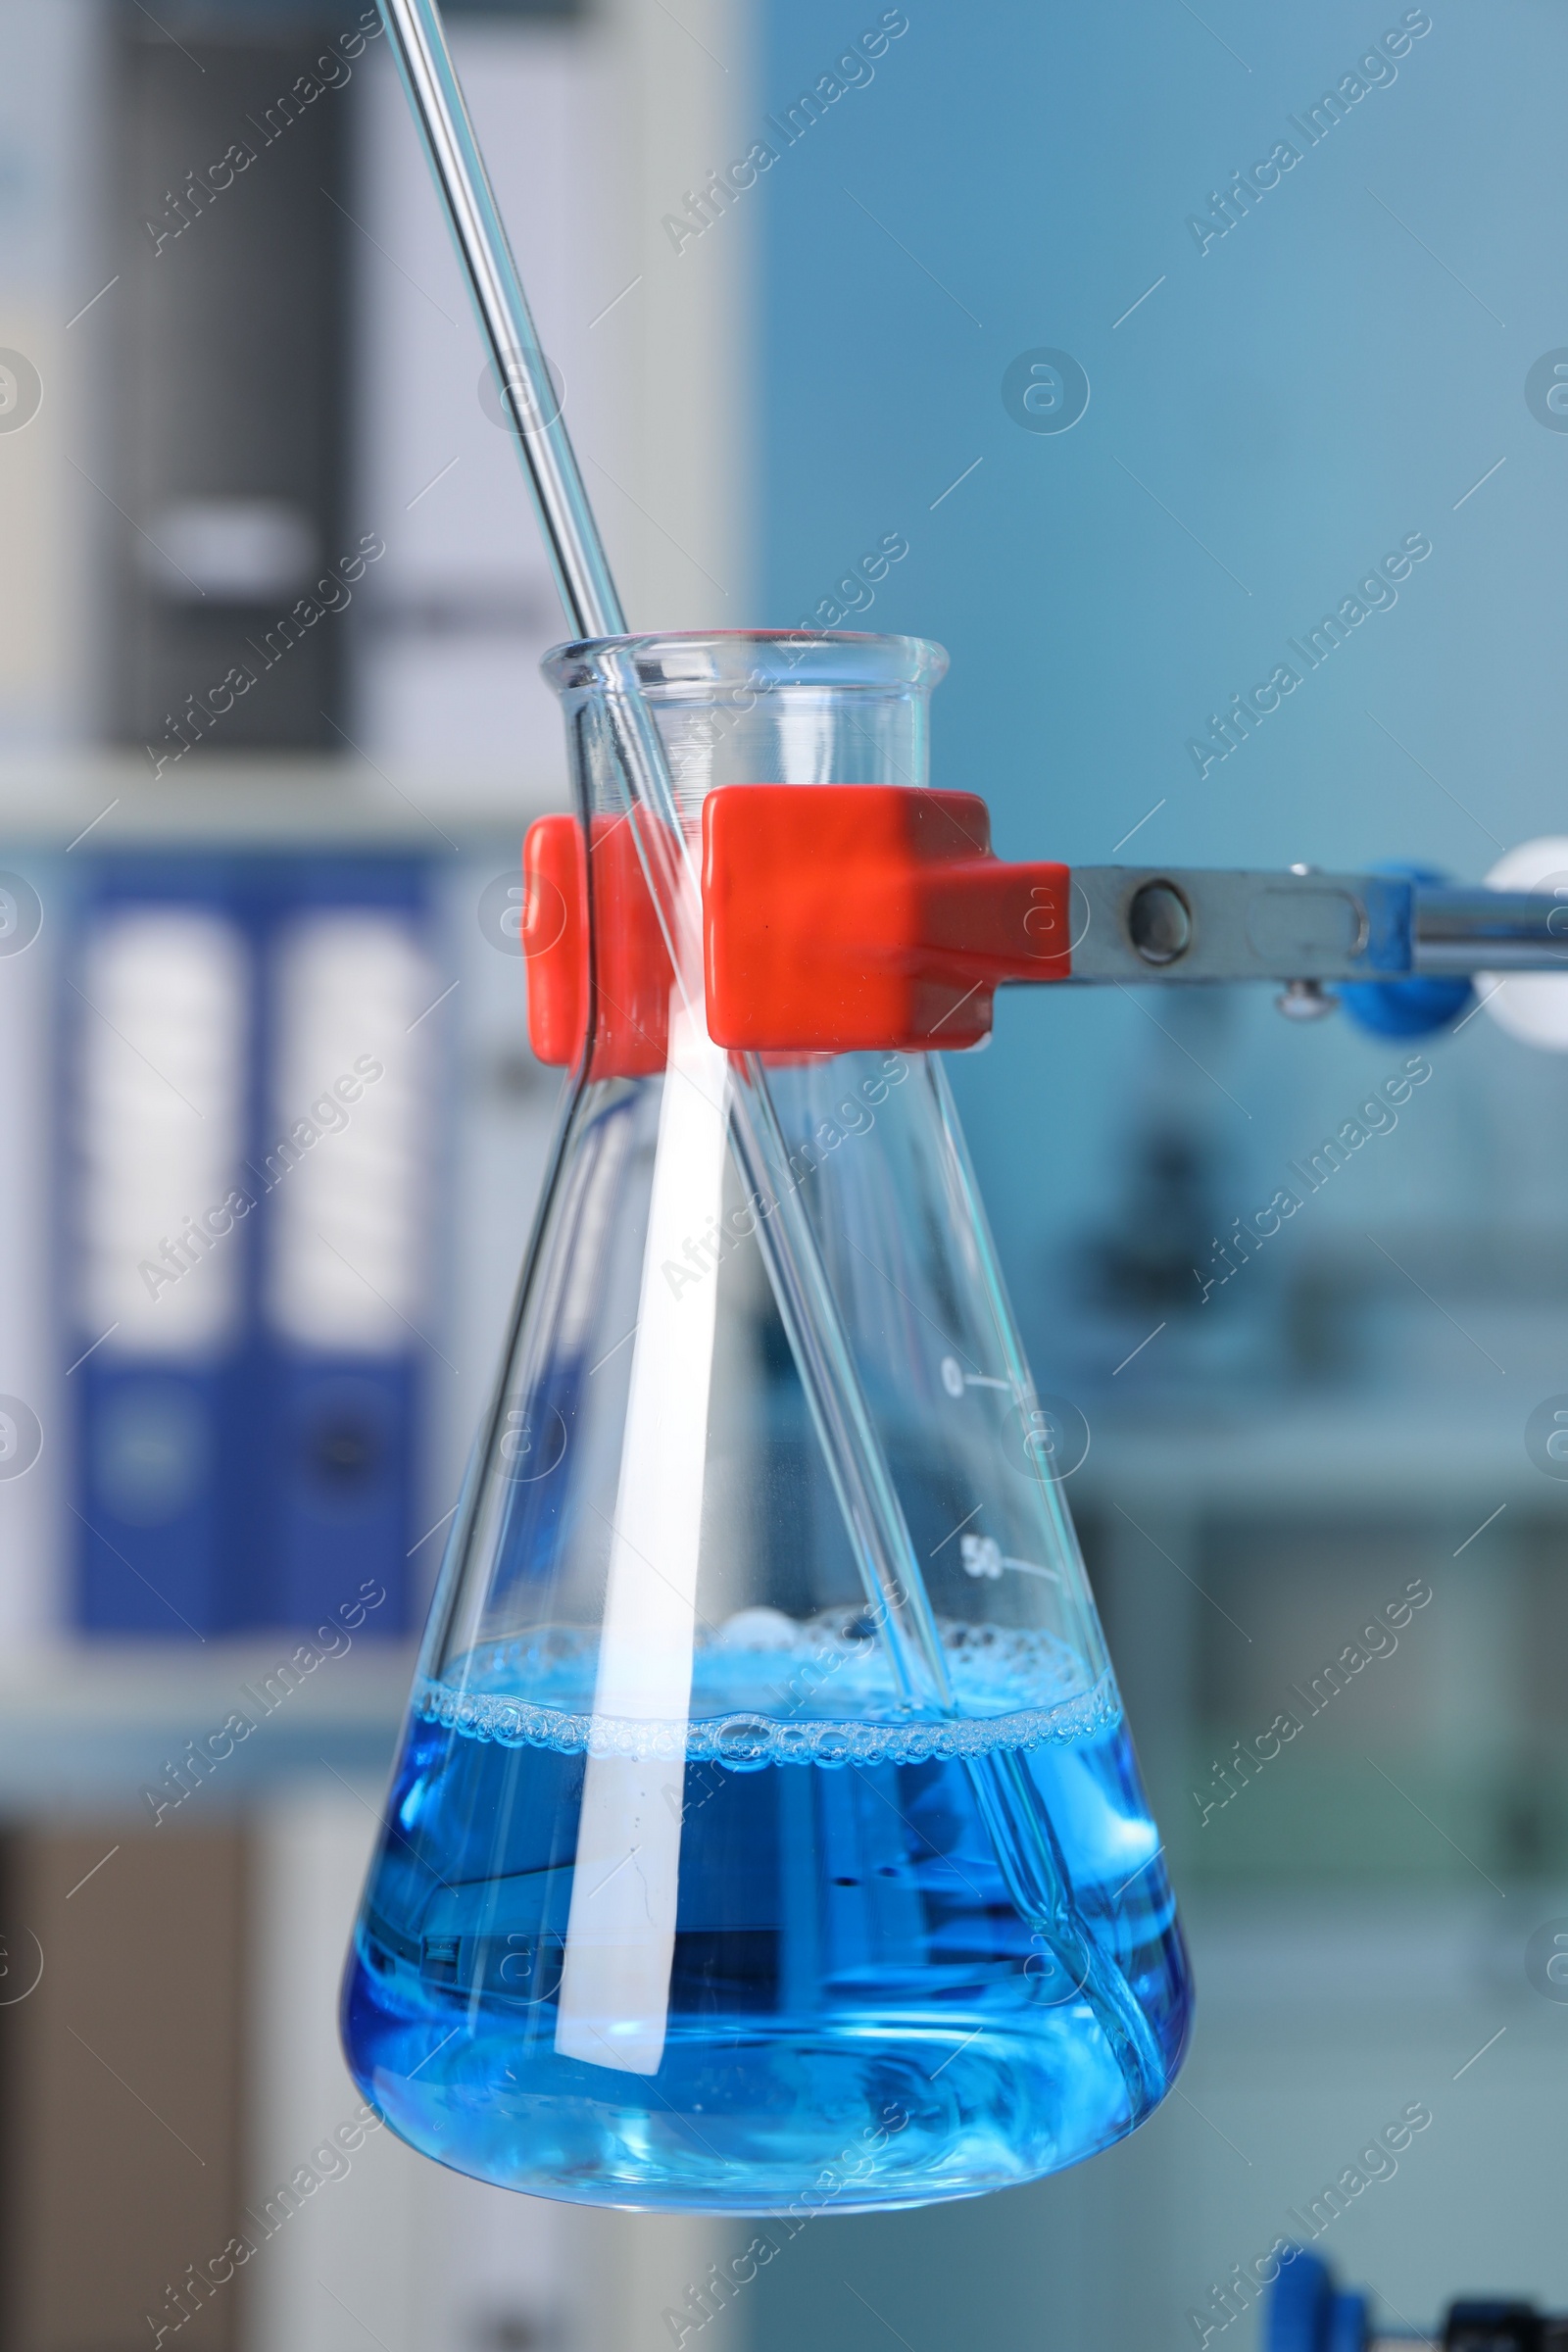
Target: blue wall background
[1277,414]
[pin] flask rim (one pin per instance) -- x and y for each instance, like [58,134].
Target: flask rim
[694,664]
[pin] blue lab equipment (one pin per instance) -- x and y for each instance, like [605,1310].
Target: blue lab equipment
[1306,2312]
[1415,1007]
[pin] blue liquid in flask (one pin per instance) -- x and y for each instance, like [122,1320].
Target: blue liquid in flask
[868,2005]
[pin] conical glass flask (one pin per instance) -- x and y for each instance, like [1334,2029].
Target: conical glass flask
[766,1831]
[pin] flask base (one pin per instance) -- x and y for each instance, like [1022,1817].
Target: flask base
[785,2120]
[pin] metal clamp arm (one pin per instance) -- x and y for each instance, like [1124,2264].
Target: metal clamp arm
[1182,923]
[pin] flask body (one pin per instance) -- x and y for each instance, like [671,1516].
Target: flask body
[767,1836]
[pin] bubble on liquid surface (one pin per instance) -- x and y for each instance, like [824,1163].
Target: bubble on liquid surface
[758,1629]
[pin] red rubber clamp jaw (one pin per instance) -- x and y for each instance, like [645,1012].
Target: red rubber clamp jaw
[844,917]
[628,994]
[836,918]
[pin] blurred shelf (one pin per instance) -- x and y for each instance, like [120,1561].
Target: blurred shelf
[1426,1454]
[277,801]
[1348,1961]
[94,1724]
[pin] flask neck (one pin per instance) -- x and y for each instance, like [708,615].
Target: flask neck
[751,707]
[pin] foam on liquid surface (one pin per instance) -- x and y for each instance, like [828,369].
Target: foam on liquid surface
[766,1690]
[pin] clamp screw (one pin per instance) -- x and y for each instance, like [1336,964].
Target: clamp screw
[1307,1001]
[1159,923]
